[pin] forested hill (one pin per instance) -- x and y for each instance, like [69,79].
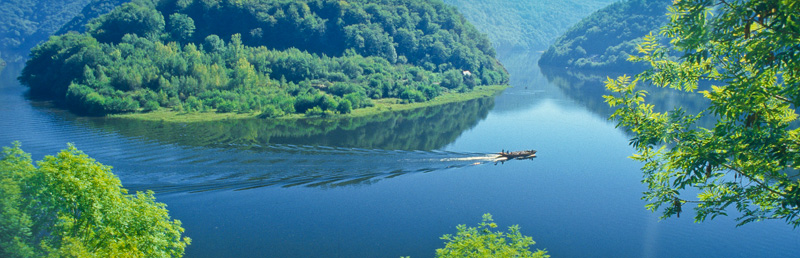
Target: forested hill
[94,9]
[605,39]
[510,24]
[276,57]
[25,23]
[526,24]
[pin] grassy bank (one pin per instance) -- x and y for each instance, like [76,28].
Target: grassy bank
[381,106]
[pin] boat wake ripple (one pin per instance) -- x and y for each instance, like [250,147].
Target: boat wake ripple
[199,170]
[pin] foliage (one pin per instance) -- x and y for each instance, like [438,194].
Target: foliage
[483,242]
[605,39]
[92,10]
[290,55]
[587,88]
[525,24]
[25,23]
[69,205]
[748,159]
[509,23]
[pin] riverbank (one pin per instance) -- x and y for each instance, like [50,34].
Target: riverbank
[381,106]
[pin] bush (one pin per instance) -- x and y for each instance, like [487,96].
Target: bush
[412,95]
[315,111]
[345,107]
[483,242]
[151,105]
[303,103]
[270,111]
[358,99]
[452,79]
[193,104]
[227,107]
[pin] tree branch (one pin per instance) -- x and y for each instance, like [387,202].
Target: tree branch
[752,179]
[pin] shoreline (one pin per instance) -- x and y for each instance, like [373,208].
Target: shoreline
[381,106]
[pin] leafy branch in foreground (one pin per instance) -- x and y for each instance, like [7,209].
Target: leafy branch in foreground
[483,242]
[747,160]
[69,205]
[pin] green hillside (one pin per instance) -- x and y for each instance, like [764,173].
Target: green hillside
[277,57]
[94,9]
[525,24]
[605,39]
[510,24]
[25,23]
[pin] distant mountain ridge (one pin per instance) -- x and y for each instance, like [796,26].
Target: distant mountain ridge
[605,39]
[510,24]
[525,24]
[25,23]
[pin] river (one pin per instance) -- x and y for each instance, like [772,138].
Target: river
[391,185]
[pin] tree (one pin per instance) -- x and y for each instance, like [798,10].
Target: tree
[483,242]
[71,205]
[344,107]
[130,18]
[181,26]
[452,79]
[748,159]
[213,43]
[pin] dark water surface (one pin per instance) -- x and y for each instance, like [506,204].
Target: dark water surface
[391,185]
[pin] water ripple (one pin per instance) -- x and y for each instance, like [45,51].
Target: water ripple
[170,158]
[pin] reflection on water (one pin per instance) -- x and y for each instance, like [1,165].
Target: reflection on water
[588,88]
[330,198]
[528,85]
[420,129]
[250,153]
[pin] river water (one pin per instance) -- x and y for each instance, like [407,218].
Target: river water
[391,185]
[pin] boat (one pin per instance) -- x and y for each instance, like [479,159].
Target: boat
[504,156]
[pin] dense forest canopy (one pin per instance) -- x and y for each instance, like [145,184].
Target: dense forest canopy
[605,39]
[272,56]
[94,9]
[510,24]
[525,24]
[25,23]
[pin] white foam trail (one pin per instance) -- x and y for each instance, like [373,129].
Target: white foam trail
[482,158]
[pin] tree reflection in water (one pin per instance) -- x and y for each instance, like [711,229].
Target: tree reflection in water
[588,88]
[426,129]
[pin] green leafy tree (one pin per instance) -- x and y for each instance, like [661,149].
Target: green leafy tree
[213,43]
[69,205]
[748,159]
[181,26]
[128,18]
[481,241]
[452,79]
[344,107]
